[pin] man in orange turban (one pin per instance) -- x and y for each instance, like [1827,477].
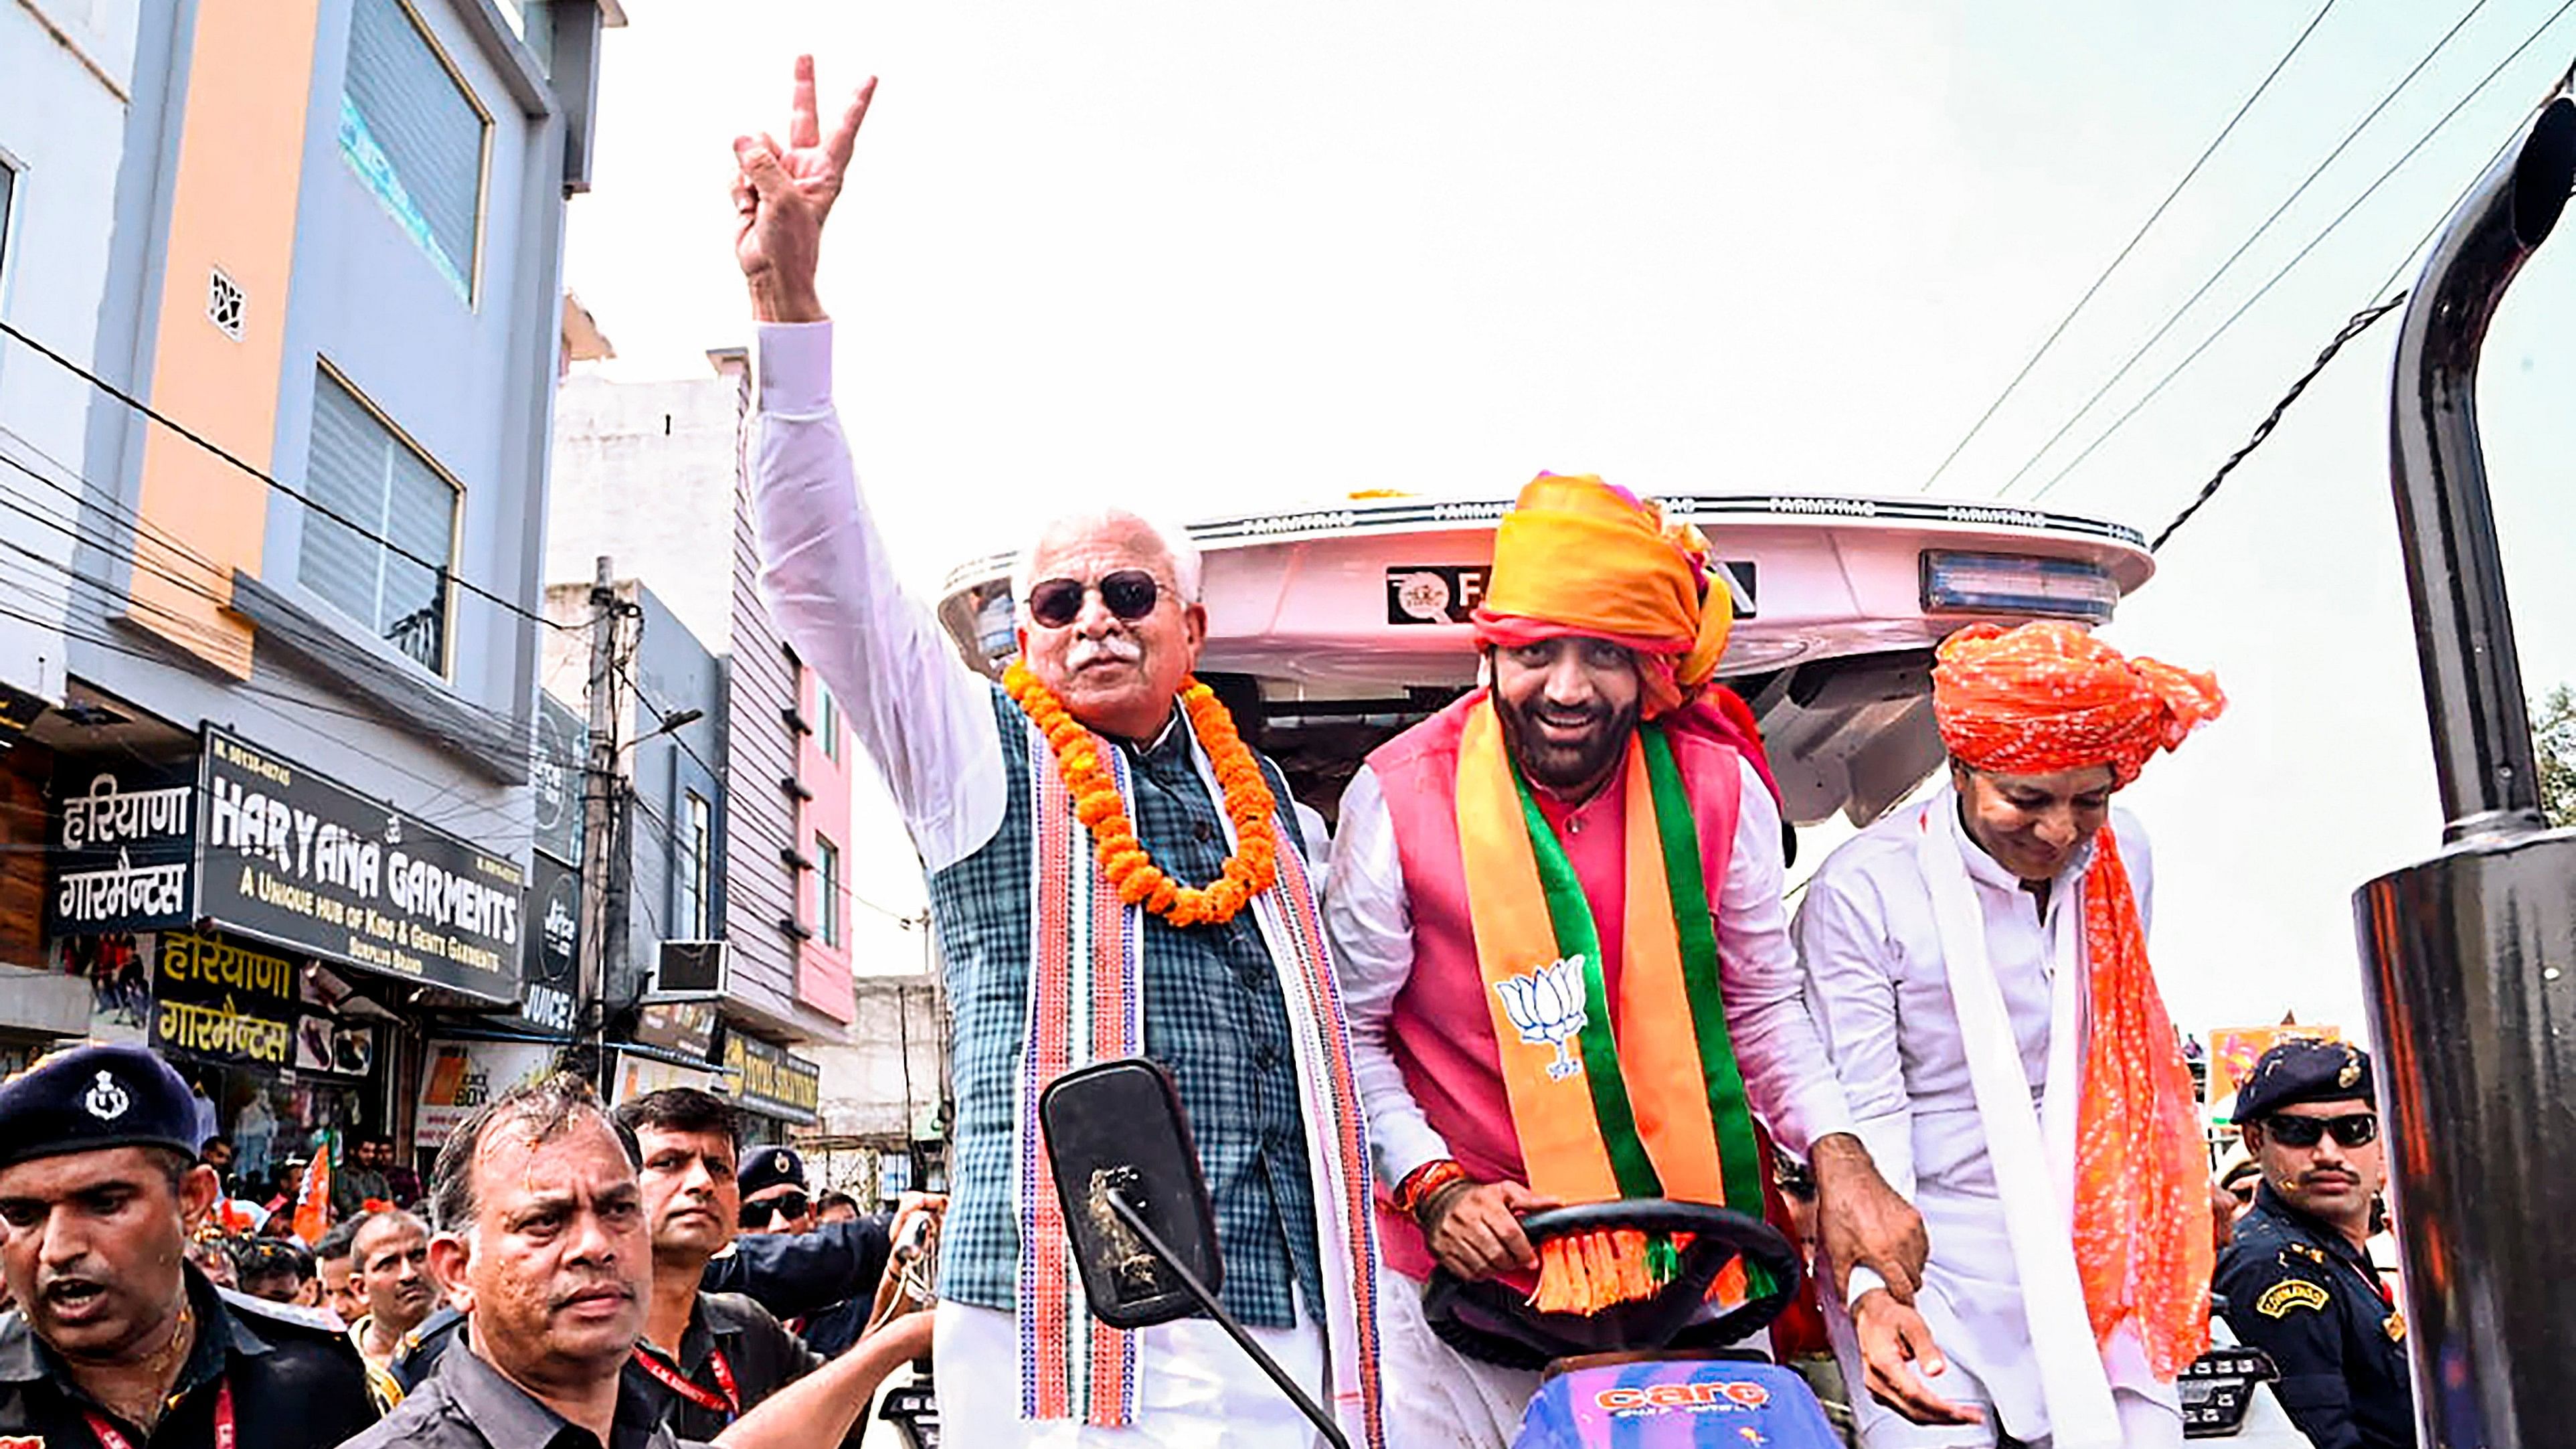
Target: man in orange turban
[1978,965]
[1556,914]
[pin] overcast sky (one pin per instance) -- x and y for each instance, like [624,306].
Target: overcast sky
[1206,257]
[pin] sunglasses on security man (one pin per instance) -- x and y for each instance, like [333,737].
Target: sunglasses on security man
[2351,1130]
[789,1205]
[1129,593]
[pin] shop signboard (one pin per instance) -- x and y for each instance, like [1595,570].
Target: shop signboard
[552,947]
[463,1075]
[638,1074]
[124,847]
[687,1028]
[295,858]
[228,1003]
[772,1079]
[556,770]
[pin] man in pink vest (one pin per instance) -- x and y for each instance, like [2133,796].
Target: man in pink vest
[1556,910]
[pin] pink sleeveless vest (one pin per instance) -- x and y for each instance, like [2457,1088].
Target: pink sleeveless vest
[1442,1031]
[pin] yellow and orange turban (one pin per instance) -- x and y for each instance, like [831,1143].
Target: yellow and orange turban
[1577,556]
[2048,696]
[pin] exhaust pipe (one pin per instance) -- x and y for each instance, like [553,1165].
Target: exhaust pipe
[2471,955]
[2463,628]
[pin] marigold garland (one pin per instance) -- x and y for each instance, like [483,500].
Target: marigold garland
[1248,803]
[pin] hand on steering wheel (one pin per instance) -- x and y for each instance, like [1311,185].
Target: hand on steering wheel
[1474,1229]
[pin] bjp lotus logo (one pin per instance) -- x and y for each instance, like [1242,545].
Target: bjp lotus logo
[1547,1007]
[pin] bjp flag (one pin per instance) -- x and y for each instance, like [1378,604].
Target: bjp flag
[313,1198]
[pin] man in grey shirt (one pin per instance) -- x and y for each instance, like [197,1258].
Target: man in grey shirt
[542,1241]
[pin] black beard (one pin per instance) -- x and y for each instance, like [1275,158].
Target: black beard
[1561,769]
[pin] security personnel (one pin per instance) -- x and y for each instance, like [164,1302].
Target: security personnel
[2298,1280]
[120,1343]
[706,1357]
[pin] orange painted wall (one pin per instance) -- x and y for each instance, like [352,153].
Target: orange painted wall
[241,163]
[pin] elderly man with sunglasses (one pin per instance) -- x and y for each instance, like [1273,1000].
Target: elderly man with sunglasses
[1112,872]
[2298,1279]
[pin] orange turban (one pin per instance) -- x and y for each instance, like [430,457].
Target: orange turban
[2049,696]
[1577,556]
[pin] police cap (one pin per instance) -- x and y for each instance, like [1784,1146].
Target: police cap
[2304,1071]
[95,1097]
[767,1167]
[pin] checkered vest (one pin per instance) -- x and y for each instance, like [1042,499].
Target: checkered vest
[1213,1015]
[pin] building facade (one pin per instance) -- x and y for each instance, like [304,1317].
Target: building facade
[648,476]
[284,740]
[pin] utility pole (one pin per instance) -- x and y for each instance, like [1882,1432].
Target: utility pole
[603,877]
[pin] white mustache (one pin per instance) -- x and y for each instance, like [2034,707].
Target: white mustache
[1117,648]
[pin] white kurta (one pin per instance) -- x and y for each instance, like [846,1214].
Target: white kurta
[1879,988]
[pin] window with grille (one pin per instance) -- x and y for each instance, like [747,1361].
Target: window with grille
[388,571]
[827,878]
[697,839]
[414,134]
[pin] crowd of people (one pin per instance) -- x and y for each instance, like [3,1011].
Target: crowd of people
[577,1270]
[1545,958]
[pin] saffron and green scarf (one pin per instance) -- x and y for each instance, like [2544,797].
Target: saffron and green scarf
[1634,1098]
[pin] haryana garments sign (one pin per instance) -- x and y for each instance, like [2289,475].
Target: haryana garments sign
[463,1075]
[292,857]
[217,1001]
[124,846]
[224,1002]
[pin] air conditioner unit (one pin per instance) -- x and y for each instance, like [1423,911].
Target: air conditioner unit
[691,971]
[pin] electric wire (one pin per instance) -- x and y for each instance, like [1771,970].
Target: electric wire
[445,822]
[2174,318]
[126,552]
[2359,323]
[2223,328]
[2353,327]
[136,404]
[2140,235]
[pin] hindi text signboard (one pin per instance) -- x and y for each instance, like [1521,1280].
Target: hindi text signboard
[124,844]
[228,1003]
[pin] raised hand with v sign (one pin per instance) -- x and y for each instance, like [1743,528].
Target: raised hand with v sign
[782,194]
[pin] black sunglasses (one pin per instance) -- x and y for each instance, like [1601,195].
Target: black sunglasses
[1129,593]
[2353,1129]
[785,1205]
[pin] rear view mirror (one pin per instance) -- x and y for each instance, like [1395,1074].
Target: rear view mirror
[1115,1130]
[1136,1208]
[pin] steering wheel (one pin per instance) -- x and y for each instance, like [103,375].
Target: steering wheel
[1490,1321]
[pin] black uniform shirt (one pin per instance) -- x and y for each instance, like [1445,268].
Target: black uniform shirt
[760,1355]
[467,1404]
[2300,1291]
[296,1382]
[799,1273]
